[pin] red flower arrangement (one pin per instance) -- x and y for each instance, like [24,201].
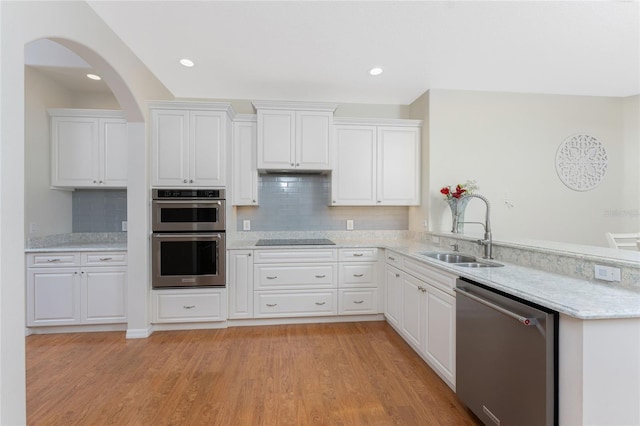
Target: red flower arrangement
[459,190]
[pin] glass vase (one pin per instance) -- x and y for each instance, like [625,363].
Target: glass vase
[457,206]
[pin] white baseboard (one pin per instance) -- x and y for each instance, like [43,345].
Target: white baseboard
[139,333]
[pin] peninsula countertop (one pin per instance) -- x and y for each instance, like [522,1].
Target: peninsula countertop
[574,297]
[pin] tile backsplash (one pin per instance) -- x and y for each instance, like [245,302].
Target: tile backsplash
[99,210]
[300,202]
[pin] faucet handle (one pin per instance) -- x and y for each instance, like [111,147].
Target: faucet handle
[455,247]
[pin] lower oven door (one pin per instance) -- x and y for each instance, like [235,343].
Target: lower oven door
[188,260]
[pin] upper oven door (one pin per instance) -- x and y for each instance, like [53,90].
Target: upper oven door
[188,215]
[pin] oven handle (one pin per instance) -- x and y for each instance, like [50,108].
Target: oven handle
[178,235]
[186,201]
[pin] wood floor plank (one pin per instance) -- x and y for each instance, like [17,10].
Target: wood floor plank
[310,374]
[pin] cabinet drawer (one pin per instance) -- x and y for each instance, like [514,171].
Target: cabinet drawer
[301,304]
[295,255]
[189,305]
[53,260]
[294,276]
[393,258]
[358,255]
[104,259]
[435,277]
[358,275]
[358,301]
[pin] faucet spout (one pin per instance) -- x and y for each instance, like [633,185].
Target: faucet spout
[487,242]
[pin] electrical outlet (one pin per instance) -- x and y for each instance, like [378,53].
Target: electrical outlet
[246,225]
[607,273]
[349,224]
[124,226]
[435,239]
[33,228]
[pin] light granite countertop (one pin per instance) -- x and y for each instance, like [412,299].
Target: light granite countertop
[74,246]
[574,297]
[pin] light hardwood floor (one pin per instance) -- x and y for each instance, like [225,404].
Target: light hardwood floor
[312,374]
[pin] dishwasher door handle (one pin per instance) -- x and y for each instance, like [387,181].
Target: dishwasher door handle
[524,320]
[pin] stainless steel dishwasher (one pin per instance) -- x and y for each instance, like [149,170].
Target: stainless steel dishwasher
[507,359]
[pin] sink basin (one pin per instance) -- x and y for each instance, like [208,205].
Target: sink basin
[477,264]
[459,259]
[450,257]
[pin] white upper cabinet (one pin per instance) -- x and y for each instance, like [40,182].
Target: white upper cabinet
[294,135]
[189,143]
[88,148]
[245,174]
[376,162]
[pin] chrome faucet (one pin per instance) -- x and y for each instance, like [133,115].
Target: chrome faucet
[487,242]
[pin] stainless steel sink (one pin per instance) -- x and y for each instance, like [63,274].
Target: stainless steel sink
[459,259]
[478,264]
[450,257]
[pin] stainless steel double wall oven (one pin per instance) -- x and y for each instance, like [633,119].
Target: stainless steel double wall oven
[188,240]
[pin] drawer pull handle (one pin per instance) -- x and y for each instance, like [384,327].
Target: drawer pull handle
[271,305]
[320,303]
[358,275]
[358,254]
[320,276]
[358,302]
[272,278]
[104,259]
[53,260]
[189,306]
[391,258]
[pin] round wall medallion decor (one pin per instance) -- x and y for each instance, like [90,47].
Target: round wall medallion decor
[581,162]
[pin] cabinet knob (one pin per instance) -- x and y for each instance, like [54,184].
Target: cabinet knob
[95,181]
[297,164]
[334,201]
[101,182]
[378,201]
[184,181]
[292,164]
[397,275]
[190,180]
[253,201]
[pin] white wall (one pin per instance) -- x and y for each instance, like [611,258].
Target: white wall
[77,26]
[508,142]
[48,210]
[419,110]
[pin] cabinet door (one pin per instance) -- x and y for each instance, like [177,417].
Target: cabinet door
[114,150]
[207,148]
[392,295]
[276,133]
[411,311]
[313,137]
[53,296]
[104,297]
[75,151]
[240,284]
[170,140]
[353,180]
[245,174]
[440,342]
[398,166]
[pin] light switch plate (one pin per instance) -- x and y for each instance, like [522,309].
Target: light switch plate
[246,225]
[124,226]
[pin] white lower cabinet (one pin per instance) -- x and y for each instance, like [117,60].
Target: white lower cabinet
[358,301]
[298,303]
[295,283]
[420,303]
[240,283]
[189,305]
[358,281]
[90,288]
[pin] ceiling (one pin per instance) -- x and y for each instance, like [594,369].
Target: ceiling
[322,50]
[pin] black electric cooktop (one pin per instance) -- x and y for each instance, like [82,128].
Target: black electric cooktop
[296,242]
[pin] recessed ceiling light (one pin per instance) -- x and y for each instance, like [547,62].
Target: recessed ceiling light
[94,77]
[375,71]
[187,62]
